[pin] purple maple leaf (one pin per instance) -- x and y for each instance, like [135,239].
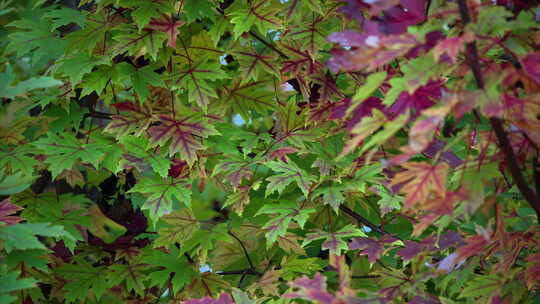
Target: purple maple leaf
[413,248]
[450,239]
[531,65]
[396,19]
[432,38]
[371,247]
[423,98]
[362,110]
[224,298]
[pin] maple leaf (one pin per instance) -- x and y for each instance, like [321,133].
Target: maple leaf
[63,151]
[373,248]
[181,225]
[238,169]
[452,46]
[168,25]
[143,11]
[334,241]
[7,211]
[368,50]
[268,283]
[247,97]
[420,179]
[311,289]
[292,265]
[238,200]
[331,195]
[34,37]
[170,265]
[161,192]
[184,133]
[138,119]
[83,277]
[289,243]
[474,245]
[131,274]
[138,147]
[224,298]
[195,78]
[260,13]
[137,43]
[289,172]
[24,235]
[422,98]
[284,213]
[254,64]
[413,248]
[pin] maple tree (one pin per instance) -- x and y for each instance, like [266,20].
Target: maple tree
[269,151]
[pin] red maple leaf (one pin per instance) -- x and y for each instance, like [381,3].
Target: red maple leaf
[7,209]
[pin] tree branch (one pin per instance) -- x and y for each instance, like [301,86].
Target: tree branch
[247,271]
[496,123]
[245,251]
[361,219]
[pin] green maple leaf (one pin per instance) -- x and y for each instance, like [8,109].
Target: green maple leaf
[331,195]
[64,151]
[137,43]
[169,264]
[138,147]
[289,172]
[87,38]
[65,16]
[83,277]
[9,90]
[255,64]
[143,11]
[14,183]
[24,235]
[130,274]
[260,13]
[197,9]
[335,242]
[180,227]
[34,37]
[247,98]
[144,76]
[10,281]
[283,214]
[77,66]
[196,78]
[161,192]
[184,134]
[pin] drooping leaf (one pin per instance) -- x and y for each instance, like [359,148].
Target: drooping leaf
[24,235]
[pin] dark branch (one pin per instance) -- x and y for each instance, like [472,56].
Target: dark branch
[361,219]
[497,124]
[245,251]
[247,271]
[365,276]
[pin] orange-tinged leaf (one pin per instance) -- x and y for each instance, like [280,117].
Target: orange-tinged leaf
[420,179]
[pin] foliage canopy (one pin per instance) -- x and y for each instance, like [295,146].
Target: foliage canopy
[269,151]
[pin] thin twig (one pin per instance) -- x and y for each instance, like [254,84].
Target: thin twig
[244,249]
